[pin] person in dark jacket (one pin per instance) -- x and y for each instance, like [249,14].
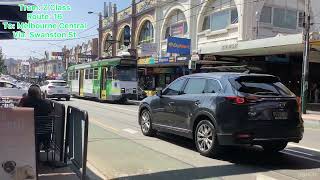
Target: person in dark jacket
[41,107]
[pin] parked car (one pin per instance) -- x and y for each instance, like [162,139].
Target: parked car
[225,109]
[56,89]
[7,84]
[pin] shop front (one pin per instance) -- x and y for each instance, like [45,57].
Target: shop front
[157,73]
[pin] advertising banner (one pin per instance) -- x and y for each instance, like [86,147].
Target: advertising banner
[178,45]
[17,139]
[177,29]
[148,49]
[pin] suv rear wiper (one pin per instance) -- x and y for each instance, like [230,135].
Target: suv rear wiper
[267,93]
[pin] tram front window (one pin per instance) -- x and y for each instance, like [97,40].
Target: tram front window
[125,74]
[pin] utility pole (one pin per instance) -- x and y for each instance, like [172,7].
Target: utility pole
[306,52]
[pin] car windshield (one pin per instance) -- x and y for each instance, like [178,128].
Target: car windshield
[125,73]
[261,85]
[59,83]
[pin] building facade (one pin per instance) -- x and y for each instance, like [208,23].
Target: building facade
[263,36]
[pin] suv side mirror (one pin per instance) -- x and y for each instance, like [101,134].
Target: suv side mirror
[159,93]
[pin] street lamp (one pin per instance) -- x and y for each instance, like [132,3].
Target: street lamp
[100,31]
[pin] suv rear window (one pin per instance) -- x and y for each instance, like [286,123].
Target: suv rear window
[59,83]
[261,85]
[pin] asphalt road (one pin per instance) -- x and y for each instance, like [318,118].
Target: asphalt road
[118,150]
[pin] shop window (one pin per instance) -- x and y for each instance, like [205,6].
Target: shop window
[285,18]
[195,86]
[175,87]
[96,73]
[266,15]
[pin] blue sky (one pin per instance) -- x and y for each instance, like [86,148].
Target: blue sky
[22,49]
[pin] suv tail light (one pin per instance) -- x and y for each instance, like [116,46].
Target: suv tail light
[237,99]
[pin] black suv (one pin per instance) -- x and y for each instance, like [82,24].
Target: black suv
[222,109]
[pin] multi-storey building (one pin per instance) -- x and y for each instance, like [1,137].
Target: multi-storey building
[260,35]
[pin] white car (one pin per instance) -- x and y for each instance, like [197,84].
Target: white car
[56,89]
[7,84]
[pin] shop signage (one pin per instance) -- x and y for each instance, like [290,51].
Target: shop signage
[183,58]
[163,60]
[148,49]
[230,46]
[195,57]
[177,29]
[178,45]
[149,60]
[172,59]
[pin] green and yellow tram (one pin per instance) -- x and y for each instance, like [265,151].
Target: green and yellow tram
[109,79]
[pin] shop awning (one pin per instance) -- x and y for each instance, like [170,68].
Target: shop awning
[268,46]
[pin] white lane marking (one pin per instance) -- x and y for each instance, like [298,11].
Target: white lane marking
[299,152]
[303,157]
[131,131]
[304,147]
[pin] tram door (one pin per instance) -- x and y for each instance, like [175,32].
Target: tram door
[103,83]
[81,79]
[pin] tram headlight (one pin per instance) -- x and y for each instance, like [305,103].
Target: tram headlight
[123,90]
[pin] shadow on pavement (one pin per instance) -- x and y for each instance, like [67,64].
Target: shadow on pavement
[245,159]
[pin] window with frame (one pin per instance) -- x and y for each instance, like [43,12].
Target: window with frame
[86,76]
[195,86]
[266,14]
[147,33]
[77,75]
[301,19]
[213,86]
[284,18]
[175,87]
[206,23]
[177,25]
[96,73]
[222,19]
[91,74]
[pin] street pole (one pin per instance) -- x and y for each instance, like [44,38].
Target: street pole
[100,35]
[305,70]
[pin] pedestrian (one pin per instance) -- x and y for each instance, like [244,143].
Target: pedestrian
[41,106]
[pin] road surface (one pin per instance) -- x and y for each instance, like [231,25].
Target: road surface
[118,150]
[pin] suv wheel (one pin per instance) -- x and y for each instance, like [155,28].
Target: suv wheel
[206,139]
[145,123]
[273,147]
